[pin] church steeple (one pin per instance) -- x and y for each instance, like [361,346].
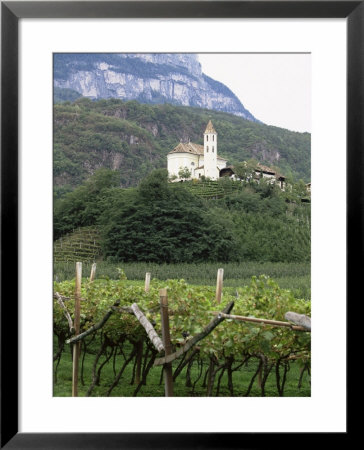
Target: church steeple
[210,152]
[210,128]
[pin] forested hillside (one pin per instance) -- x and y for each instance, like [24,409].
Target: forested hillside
[167,222]
[133,139]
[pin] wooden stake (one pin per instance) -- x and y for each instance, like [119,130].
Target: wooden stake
[147,282]
[220,276]
[275,323]
[76,346]
[299,319]
[167,368]
[153,336]
[93,272]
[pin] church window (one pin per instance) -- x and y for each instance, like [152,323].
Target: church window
[212,150]
[207,149]
[207,138]
[213,137]
[192,163]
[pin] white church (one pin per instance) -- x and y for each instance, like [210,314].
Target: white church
[200,160]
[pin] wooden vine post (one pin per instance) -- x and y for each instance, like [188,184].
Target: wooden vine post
[219,280]
[167,368]
[139,355]
[77,345]
[93,272]
[147,282]
[220,276]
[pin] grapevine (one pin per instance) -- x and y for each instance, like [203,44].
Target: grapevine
[227,349]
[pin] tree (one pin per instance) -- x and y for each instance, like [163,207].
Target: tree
[81,207]
[245,170]
[184,173]
[154,186]
[164,223]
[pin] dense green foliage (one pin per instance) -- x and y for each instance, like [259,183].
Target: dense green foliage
[134,138]
[81,207]
[166,222]
[229,346]
[163,224]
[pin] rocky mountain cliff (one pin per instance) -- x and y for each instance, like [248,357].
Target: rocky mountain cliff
[147,78]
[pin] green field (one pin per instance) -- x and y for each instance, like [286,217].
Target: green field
[293,276]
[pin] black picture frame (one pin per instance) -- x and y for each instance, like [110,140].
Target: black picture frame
[11,12]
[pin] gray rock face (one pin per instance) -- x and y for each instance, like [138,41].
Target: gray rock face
[148,78]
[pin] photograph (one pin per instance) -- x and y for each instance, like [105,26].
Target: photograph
[160,236]
[181,224]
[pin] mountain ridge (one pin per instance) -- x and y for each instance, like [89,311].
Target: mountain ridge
[149,78]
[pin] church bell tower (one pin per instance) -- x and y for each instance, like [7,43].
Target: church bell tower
[210,152]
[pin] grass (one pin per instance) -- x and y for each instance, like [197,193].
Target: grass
[293,276]
[155,388]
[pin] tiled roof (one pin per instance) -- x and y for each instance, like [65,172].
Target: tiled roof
[265,169]
[269,170]
[189,147]
[210,128]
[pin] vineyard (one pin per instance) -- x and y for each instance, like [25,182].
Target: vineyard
[293,276]
[123,333]
[213,189]
[82,244]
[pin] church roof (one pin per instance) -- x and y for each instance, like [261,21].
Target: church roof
[191,148]
[210,128]
[188,147]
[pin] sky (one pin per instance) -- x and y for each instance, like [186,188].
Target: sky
[275,88]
